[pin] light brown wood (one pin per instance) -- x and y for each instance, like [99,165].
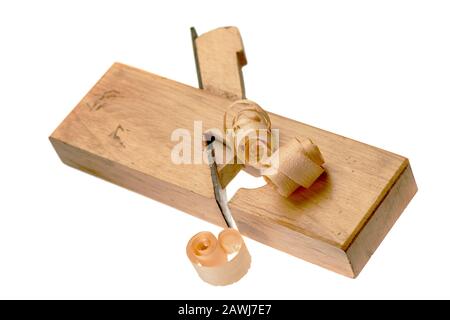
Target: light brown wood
[299,164]
[250,135]
[296,230]
[220,57]
[121,132]
[219,261]
[381,221]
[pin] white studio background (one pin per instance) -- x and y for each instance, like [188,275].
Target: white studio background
[377,72]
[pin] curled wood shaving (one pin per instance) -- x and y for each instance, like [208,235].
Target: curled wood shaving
[219,261]
[251,134]
[298,163]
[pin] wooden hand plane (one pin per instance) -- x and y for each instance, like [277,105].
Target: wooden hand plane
[121,132]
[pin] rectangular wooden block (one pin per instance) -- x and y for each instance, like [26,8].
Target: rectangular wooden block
[121,132]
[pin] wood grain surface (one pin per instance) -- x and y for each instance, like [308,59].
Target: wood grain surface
[121,132]
[220,57]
